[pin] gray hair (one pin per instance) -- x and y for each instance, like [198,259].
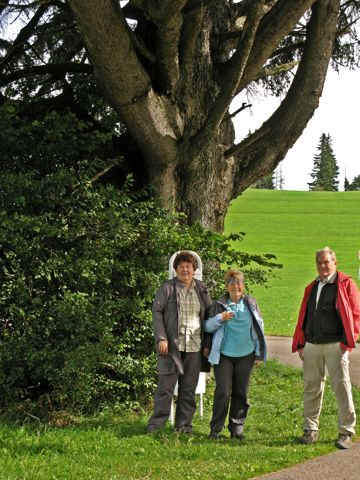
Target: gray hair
[325,250]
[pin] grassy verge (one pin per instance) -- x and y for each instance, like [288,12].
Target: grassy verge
[293,225]
[114,446]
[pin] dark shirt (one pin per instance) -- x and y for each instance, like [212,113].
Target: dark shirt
[322,322]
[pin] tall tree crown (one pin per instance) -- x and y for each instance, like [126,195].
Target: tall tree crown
[169,71]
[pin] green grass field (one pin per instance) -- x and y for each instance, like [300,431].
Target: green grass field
[293,225]
[114,445]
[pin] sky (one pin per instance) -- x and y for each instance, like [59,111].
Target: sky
[338,115]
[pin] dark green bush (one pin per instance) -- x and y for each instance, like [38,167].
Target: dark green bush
[79,268]
[80,262]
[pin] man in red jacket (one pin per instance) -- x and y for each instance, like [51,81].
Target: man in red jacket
[327,329]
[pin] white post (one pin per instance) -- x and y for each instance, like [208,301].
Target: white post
[200,390]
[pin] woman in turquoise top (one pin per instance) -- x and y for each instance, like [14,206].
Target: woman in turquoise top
[238,341]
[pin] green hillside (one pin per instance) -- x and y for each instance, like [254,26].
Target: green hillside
[293,225]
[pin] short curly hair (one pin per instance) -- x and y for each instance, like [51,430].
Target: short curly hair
[185,256]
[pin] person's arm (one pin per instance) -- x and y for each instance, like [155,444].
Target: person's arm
[216,321]
[298,342]
[354,299]
[160,335]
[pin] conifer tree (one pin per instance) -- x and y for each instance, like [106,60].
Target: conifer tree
[266,182]
[325,171]
[355,184]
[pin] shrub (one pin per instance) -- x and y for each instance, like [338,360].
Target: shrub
[80,262]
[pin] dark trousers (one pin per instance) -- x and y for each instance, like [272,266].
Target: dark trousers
[186,404]
[232,377]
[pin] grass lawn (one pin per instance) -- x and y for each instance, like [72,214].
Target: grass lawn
[114,446]
[293,225]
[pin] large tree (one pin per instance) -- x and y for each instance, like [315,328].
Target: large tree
[170,70]
[325,171]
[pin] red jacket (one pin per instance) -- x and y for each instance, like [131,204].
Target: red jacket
[348,306]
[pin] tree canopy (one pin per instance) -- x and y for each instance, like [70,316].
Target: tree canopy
[325,171]
[157,78]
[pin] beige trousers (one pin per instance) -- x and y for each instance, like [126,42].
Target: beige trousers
[316,357]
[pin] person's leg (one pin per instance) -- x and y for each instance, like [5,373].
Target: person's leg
[314,383]
[162,401]
[186,403]
[337,363]
[240,386]
[223,384]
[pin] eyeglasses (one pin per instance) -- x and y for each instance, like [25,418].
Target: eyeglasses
[234,281]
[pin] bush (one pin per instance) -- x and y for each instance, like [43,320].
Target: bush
[79,268]
[80,262]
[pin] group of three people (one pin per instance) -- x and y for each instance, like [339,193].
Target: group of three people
[191,331]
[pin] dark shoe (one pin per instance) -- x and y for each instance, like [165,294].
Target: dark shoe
[236,430]
[344,441]
[214,435]
[152,429]
[310,436]
[184,429]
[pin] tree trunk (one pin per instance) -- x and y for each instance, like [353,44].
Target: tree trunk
[174,97]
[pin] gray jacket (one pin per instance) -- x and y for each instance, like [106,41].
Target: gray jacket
[165,314]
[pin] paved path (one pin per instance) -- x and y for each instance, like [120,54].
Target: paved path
[339,465]
[280,348]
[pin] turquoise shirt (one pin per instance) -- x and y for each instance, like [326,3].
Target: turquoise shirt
[238,340]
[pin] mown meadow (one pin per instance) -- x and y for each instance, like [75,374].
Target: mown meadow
[293,225]
[114,446]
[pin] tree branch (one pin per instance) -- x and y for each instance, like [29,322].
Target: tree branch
[243,107]
[24,35]
[123,78]
[167,53]
[260,153]
[58,70]
[232,77]
[279,21]
[3,5]
[191,30]
[195,5]
[275,70]
[114,163]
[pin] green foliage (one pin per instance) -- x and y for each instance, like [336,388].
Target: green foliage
[354,185]
[49,141]
[79,268]
[69,289]
[325,171]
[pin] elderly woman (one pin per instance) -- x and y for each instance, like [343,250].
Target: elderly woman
[178,321]
[238,341]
